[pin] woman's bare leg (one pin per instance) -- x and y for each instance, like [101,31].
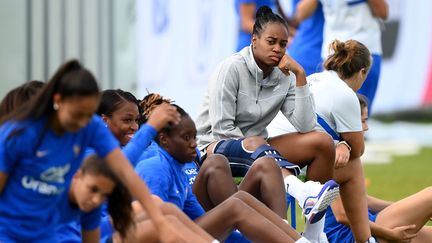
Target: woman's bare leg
[314,149]
[415,209]
[353,195]
[424,235]
[267,213]
[264,181]
[233,213]
[214,182]
[146,232]
[173,210]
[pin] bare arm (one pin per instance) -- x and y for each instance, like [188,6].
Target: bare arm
[341,218]
[3,180]
[247,16]
[90,236]
[305,9]
[392,234]
[379,8]
[356,141]
[376,204]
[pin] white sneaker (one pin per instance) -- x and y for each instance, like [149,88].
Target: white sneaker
[323,238]
[318,199]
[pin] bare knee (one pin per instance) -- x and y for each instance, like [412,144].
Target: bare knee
[236,207]
[242,195]
[215,163]
[323,146]
[252,143]
[265,165]
[322,141]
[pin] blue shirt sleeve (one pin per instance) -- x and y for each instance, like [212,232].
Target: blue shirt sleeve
[10,148]
[106,228]
[156,176]
[192,207]
[102,140]
[91,220]
[140,141]
[69,233]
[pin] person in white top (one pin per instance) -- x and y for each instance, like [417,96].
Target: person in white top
[338,112]
[358,20]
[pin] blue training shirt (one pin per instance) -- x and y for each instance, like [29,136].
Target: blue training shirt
[72,220]
[138,144]
[166,178]
[142,139]
[40,165]
[191,207]
[307,43]
[337,232]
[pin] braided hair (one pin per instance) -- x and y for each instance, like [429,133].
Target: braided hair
[149,102]
[264,16]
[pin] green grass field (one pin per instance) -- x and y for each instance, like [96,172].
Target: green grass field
[404,176]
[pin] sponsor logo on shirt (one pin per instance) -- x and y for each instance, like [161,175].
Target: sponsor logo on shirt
[192,180]
[30,183]
[53,174]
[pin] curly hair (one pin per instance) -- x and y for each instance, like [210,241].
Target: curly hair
[149,102]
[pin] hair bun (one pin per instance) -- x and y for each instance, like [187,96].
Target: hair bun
[263,11]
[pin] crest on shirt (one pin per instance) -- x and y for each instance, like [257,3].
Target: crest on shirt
[76,150]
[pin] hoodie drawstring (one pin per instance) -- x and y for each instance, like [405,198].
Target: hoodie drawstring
[256,85]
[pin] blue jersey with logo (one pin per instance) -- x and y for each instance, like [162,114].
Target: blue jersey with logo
[166,178]
[133,150]
[72,220]
[40,165]
[192,208]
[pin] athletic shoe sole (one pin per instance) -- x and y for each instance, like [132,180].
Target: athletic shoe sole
[315,207]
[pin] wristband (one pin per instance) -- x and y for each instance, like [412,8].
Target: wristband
[344,143]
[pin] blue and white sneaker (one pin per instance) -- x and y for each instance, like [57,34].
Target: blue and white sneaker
[320,197]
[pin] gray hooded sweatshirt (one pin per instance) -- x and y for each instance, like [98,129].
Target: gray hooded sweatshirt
[239,103]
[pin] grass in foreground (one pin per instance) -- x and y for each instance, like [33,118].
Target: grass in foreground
[404,176]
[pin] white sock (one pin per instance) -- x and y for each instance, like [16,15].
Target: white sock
[302,240]
[313,231]
[296,188]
